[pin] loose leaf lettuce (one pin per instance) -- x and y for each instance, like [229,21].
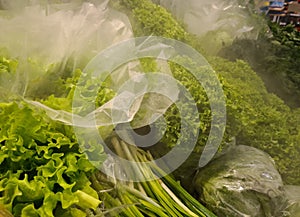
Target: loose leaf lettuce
[41,166]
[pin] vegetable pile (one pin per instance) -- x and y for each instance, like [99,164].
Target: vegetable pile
[255,117]
[46,171]
[157,197]
[42,167]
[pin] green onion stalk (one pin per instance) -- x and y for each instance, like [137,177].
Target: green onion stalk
[157,197]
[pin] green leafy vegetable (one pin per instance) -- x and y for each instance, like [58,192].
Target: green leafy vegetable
[42,166]
[157,197]
[255,117]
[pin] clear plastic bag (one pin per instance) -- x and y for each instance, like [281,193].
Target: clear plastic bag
[202,16]
[293,195]
[242,182]
[42,36]
[217,22]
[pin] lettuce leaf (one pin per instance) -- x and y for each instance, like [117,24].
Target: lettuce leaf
[41,166]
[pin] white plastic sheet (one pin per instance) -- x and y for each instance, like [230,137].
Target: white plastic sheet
[216,22]
[55,33]
[49,34]
[202,16]
[40,34]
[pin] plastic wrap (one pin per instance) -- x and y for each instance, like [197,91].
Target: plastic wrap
[217,22]
[140,98]
[131,85]
[293,195]
[42,36]
[242,182]
[202,16]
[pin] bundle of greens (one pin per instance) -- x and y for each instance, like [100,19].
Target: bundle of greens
[275,57]
[255,117]
[42,167]
[156,197]
[45,172]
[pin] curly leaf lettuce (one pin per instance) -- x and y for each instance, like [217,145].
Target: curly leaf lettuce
[42,168]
